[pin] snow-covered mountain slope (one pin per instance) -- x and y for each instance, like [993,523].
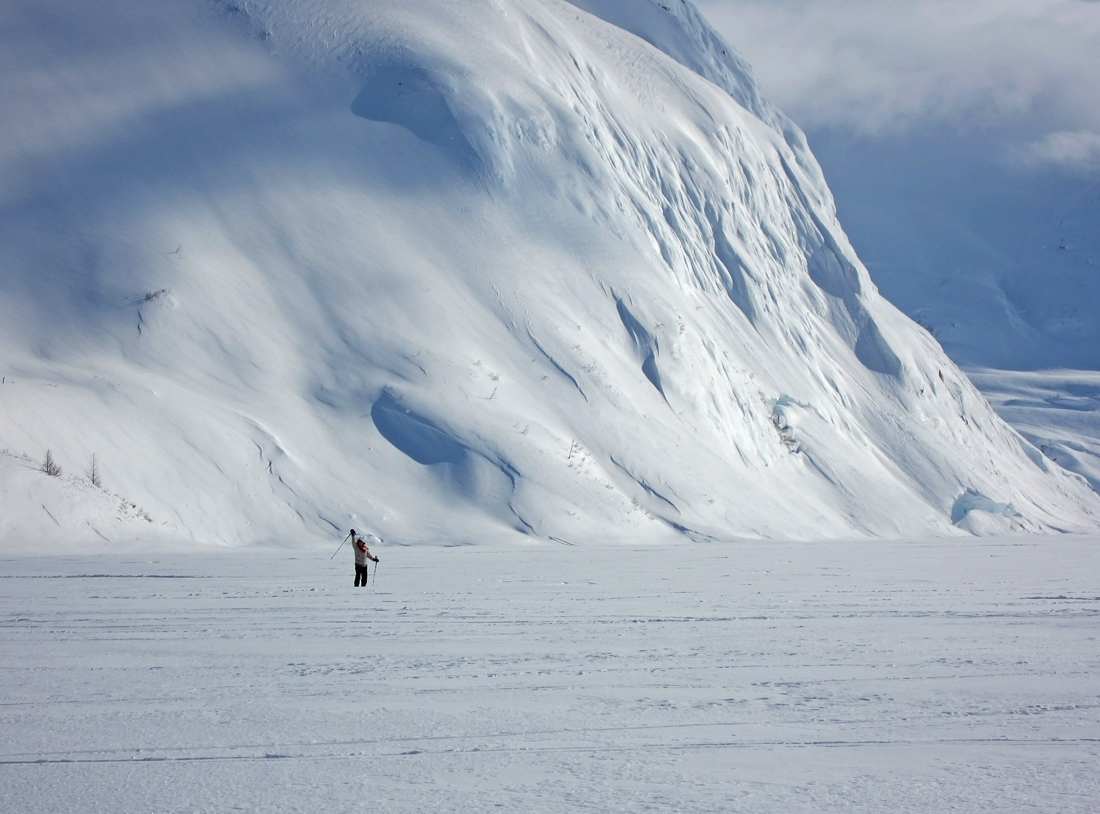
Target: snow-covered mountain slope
[457,270]
[1001,265]
[1056,410]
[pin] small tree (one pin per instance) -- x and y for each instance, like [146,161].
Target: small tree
[49,465]
[93,473]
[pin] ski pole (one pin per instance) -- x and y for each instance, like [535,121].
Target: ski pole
[337,551]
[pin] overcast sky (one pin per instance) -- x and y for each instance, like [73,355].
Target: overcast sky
[879,67]
[955,134]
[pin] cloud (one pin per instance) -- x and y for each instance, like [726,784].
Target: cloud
[1076,150]
[882,66]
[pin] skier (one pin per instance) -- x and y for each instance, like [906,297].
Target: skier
[362,557]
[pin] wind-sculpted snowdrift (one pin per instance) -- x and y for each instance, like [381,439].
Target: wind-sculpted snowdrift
[454,270]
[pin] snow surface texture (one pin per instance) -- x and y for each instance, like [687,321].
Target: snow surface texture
[453,271]
[795,678]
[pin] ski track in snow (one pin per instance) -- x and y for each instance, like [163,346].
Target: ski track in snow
[931,676]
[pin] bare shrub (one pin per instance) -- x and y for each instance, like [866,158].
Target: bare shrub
[49,465]
[93,473]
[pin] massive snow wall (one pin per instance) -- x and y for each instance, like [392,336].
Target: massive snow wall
[452,271]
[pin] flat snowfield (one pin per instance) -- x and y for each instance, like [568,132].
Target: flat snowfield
[945,675]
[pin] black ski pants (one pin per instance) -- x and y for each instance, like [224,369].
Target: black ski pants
[361,574]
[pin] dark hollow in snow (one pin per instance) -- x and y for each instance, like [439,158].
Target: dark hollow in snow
[417,437]
[471,475]
[409,97]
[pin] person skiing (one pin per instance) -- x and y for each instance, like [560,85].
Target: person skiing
[363,557]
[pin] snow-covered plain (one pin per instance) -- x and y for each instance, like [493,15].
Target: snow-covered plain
[918,676]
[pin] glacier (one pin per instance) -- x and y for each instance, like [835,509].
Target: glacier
[500,269]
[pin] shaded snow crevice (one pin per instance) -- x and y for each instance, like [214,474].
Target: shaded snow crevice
[556,365]
[645,345]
